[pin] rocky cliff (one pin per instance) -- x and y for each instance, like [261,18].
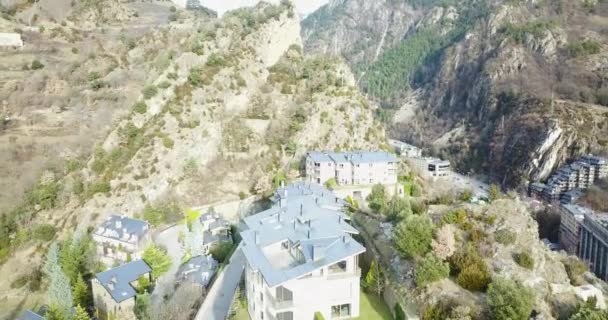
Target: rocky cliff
[512,89]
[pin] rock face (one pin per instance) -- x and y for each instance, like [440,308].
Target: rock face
[518,93]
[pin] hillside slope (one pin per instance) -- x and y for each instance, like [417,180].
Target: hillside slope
[227,117]
[511,89]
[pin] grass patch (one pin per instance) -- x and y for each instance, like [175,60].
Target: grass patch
[373,307]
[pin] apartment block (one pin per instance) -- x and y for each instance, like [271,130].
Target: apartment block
[352,168]
[120,238]
[301,258]
[114,290]
[578,175]
[215,229]
[572,216]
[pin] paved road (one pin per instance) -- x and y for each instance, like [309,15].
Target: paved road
[479,188]
[169,239]
[219,298]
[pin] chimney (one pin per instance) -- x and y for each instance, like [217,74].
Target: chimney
[344,239]
[279,216]
[294,224]
[283,184]
[337,199]
[316,200]
[257,237]
[118,224]
[339,219]
[301,209]
[308,234]
[309,223]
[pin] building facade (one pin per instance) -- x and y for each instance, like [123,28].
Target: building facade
[593,244]
[301,258]
[431,168]
[571,218]
[120,238]
[405,150]
[352,168]
[114,290]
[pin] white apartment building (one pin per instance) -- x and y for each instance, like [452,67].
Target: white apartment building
[301,258]
[405,150]
[352,168]
[119,238]
[431,168]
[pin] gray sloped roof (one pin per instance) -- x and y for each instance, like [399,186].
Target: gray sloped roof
[117,281]
[122,228]
[30,315]
[307,226]
[199,270]
[353,156]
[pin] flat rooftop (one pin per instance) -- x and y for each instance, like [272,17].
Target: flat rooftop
[298,235]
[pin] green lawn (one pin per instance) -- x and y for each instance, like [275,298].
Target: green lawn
[373,308]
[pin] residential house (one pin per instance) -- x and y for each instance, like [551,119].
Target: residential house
[215,229]
[115,290]
[120,239]
[198,270]
[352,168]
[301,258]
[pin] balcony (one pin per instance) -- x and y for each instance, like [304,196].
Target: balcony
[278,304]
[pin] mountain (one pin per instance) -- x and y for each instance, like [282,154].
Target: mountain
[511,89]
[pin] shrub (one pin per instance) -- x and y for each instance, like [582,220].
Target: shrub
[140,107]
[399,313]
[99,187]
[505,237]
[454,217]
[575,268]
[466,195]
[430,270]
[220,251]
[494,193]
[509,300]
[474,277]
[44,232]
[583,48]
[157,259]
[319,316]
[331,184]
[242,195]
[525,260]
[168,142]
[20,282]
[149,91]
[397,208]
[477,236]
[36,65]
[413,236]
[377,198]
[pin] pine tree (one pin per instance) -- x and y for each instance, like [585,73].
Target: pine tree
[52,260]
[81,314]
[374,280]
[59,293]
[81,292]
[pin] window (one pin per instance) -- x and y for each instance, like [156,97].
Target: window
[341,165]
[285,315]
[340,311]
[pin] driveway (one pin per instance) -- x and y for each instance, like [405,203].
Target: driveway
[219,298]
[169,239]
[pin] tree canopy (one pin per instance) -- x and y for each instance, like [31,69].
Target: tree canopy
[509,300]
[413,236]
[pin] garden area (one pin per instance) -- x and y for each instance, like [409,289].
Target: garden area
[372,307]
